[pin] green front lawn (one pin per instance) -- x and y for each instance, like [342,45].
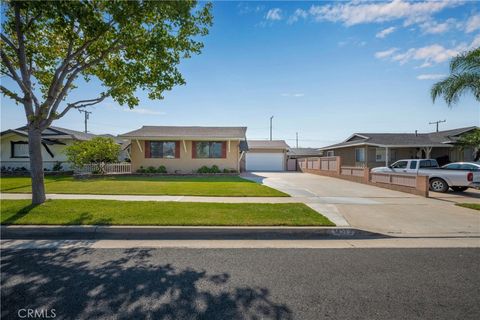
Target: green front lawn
[475,206]
[225,186]
[110,212]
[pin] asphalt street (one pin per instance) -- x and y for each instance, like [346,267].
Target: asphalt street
[85,283]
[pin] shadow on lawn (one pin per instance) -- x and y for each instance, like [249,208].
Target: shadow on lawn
[79,285]
[84,218]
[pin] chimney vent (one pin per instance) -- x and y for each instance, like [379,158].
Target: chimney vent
[416,133]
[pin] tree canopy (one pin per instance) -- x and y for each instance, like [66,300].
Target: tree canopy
[127,45]
[98,150]
[464,77]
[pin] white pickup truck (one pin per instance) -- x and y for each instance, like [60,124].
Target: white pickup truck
[440,179]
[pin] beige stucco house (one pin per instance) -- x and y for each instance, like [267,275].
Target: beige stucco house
[380,149]
[186,149]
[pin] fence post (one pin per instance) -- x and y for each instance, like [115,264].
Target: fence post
[366,175]
[421,184]
[339,165]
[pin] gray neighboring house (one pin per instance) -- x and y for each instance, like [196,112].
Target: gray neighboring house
[379,149]
[14,146]
[266,155]
[298,153]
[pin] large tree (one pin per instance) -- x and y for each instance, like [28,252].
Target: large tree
[464,77]
[47,46]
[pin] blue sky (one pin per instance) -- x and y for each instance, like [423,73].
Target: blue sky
[324,70]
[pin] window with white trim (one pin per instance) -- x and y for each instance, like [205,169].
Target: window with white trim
[19,149]
[330,153]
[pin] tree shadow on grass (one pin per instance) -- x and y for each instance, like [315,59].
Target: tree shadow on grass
[130,285]
[20,214]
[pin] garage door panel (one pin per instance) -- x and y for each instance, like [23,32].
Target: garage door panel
[265,161]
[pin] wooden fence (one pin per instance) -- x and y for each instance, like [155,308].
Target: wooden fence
[108,168]
[332,167]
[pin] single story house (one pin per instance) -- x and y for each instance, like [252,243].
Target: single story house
[14,147]
[267,155]
[186,149]
[380,149]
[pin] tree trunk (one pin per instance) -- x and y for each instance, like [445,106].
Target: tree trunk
[36,165]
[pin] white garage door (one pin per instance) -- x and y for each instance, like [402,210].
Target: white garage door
[265,161]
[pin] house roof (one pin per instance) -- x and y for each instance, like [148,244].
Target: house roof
[268,144]
[304,152]
[432,139]
[187,132]
[53,133]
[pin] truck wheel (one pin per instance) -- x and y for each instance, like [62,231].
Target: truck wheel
[438,185]
[459,189]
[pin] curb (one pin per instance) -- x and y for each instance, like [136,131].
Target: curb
[182,233]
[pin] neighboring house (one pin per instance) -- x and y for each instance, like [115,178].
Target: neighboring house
[298,153]
[186,149]
[266,155]
[379,149]
[14,146]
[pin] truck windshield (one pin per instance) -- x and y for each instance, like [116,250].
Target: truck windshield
[400,165]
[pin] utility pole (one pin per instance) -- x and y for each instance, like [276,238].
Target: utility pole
[437,122]
[86,113]
[296,140]
[271,118]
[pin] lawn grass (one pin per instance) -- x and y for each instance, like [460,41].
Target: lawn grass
[220,186]
[475,206]
[111,212]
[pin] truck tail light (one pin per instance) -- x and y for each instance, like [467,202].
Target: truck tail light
[470,176]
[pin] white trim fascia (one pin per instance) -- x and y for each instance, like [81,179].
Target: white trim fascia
[357,135]
[139,146]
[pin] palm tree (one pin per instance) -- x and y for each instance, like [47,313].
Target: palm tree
[464,76]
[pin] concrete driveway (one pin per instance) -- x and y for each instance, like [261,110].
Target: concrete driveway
[377,209]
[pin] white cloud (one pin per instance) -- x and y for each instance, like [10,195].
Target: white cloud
[356,12]
[385,32]
[430,76]
[429,55]
[433,27]
[386,53]
[274,14]
[294,95]
[298,14]
[473,23]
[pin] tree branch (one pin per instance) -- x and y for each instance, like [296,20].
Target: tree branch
[9,43]
[77,105]
[12,95]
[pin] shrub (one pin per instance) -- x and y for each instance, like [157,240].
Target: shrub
[151,169]
[98,150]
[205,169]
[141,170]
[162,169]
[57,166]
